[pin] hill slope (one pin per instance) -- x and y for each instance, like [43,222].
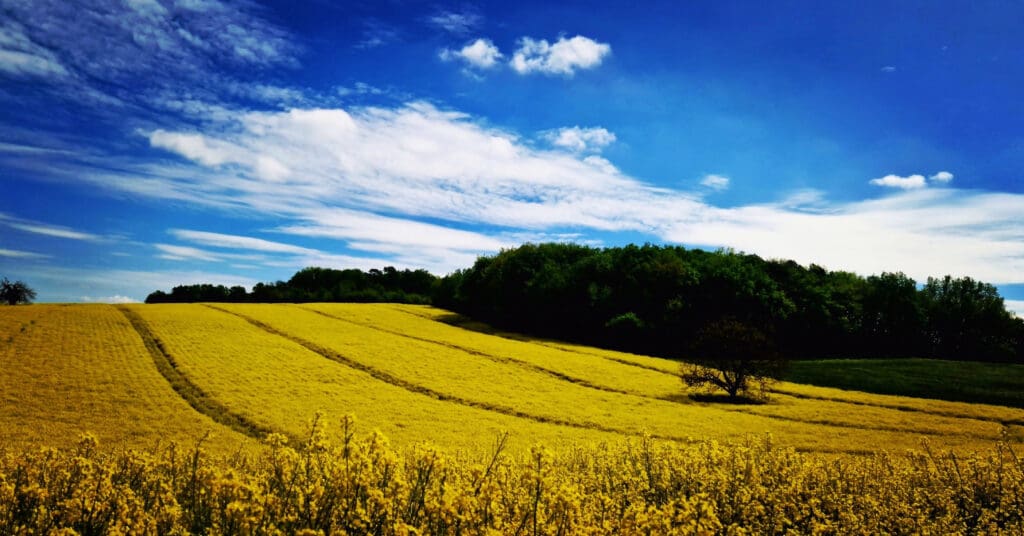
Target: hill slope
[247,369]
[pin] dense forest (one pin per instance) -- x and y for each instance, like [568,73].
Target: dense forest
[656,299]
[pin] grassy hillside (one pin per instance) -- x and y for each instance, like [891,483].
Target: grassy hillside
[244,370]
[986,383]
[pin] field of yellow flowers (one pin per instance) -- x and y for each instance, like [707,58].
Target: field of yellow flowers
[336,482]
[66,369]
[454,420]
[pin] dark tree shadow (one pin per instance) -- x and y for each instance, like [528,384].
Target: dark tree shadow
[714,398]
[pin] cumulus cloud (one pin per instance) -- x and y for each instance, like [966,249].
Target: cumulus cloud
[715,182]
[563,57]
[482,54]
[911,182]
[581,139]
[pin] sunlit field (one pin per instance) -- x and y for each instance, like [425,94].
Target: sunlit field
[69,369]
[425,425]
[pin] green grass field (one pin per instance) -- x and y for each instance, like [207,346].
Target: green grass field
[957,381]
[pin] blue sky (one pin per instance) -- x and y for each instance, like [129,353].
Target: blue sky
[145,143]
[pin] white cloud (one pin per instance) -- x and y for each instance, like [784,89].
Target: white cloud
[715,182]
[922,233]
[55,231]
[16,254]
[185,253]
[889,69]
[942,176]
[482,54]
[227,241]
[459,23]
[368,229]
[58,232]
[195,147]
[563,57]
[406,183]
[912,182]
[581,139]
[87,54]
[21,56]
[1015,306]
[117,298]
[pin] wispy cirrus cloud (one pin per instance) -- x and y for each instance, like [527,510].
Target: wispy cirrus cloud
[228,241]
[377,33]
[457,22]
[20,56]
[56,231]
[170,55]
[17,254]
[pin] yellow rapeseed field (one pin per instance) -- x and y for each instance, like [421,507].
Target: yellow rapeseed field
[597,442]
[533,381]
[280,385]
[68,369]
[658,378]
[340,483]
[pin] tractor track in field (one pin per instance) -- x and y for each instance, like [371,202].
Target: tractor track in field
[539,342]
[391,379]
[895,407]
[503,360]
[584,383]
[198,399]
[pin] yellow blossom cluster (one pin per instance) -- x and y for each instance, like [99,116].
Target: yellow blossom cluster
[341,483]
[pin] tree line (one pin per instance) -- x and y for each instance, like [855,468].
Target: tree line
[659,300]
[316,285]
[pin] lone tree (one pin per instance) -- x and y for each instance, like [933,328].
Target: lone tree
[16,292]
[734,357]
